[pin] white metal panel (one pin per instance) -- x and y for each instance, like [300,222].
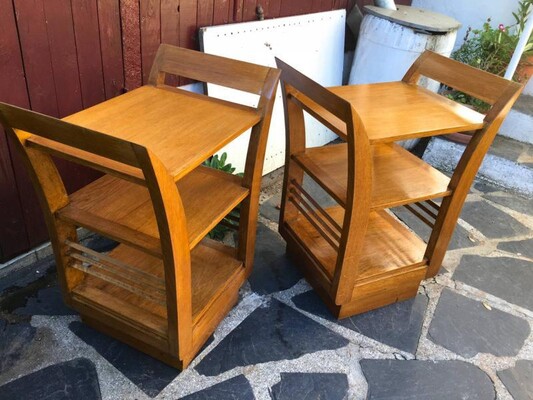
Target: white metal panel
[313,44]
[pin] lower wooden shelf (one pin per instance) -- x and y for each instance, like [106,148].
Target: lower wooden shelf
[390,268]
[389,247]
[215,271]
[399,176]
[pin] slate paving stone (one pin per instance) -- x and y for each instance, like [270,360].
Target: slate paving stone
[71,380]
[398,325]
[428,380]
[519,380]
[273,271]
[232,389]
[510,279]
[486,187]
[14,338]
[518,247]
[467,328]
[24,276]
[310,386]
[269,209]
[514,202]
[99,243]
[490,221]
[149,374]
[48,301]
[273,333]
[460,238]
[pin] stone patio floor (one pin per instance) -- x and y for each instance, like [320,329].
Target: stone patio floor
[466,335]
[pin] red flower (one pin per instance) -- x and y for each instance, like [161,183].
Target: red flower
[501,27]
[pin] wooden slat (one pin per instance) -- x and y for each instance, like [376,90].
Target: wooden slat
[272,8]
[68,134]
[97,270]
[111,46]
[63,55]
[316,205]
[399,176]
[388,246]
[170,29]
[321,5]
[426,210]
[418,215]
[213,269]
[152,280]
[311,216]
[96,162]
[322,115]
[236,12]
[248,10]
[131,43]
[291,7]
[462,77]
[188,16]
[13,235]
[42,97]
[150,14]
[124,212]
[220,12]
[85,15]
[60,28]
[199,66]
[205,13]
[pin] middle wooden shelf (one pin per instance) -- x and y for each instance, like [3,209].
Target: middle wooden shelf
[122,210]
[399,177]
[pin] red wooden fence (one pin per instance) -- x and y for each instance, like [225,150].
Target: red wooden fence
[60,56]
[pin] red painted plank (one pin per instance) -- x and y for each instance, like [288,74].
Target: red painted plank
[205,13]
[237,10]
[63,55]
[111,46]
[36,55]
[42,96]
[170,29]
[271,8]
[170,22]
[150,34]
[131,43]
[188,32]
[321,5]
[248,10]
[221,12]
[85,15]
[295,7]
[13,235]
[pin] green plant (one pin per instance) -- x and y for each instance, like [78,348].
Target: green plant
[219,231]
[219,163]
[491,49]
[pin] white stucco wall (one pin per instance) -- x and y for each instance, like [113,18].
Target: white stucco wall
[472,12]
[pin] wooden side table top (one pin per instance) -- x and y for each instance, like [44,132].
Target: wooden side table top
[394,111]
[179,127]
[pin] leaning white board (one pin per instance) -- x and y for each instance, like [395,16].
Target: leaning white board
[312,43]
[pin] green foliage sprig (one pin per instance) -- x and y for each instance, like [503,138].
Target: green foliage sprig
[490,49]
[216,162]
